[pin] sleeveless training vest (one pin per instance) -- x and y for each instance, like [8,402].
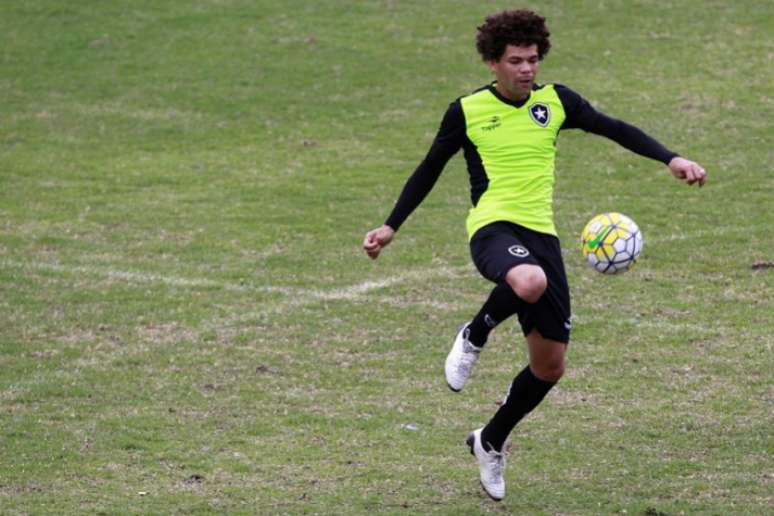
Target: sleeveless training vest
[517,147]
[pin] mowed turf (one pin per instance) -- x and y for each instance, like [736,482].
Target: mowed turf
[188,324]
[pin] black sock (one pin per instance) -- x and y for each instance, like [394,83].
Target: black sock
[527,391]
[501,304]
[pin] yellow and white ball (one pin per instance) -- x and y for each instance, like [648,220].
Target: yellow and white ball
[611,242]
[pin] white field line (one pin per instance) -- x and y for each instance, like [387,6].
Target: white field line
[298,296]
[353,292]
[131,276]
[338,293]
[418,275]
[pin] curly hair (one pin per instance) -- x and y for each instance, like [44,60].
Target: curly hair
[520,27]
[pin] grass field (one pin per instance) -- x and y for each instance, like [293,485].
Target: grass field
[188,324]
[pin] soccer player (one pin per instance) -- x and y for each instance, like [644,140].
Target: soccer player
[507,130]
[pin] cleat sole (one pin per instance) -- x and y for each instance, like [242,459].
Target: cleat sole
[489,495]
[471,441]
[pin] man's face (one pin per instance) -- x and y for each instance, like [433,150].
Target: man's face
[516,71]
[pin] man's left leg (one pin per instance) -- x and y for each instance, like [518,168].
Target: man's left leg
[546,366]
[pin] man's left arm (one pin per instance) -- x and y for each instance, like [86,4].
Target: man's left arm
[581,115]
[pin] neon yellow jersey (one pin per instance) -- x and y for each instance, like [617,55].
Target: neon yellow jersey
[517,147]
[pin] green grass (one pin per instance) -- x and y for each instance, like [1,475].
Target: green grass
[188,324]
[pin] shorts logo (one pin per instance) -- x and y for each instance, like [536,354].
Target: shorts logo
[568,324]
[540,114]
[518,251]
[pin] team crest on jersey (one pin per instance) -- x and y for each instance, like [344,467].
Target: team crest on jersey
[540,114]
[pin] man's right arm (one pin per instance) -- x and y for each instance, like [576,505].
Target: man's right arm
[447,142]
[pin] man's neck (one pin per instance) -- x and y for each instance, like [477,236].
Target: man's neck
[507,94]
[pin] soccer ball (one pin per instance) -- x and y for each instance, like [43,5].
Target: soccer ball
[611,242]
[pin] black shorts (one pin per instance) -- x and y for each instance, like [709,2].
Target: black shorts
[498,247]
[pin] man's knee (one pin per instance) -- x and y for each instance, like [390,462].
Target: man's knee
[546,357]
[527,281]
[549,371]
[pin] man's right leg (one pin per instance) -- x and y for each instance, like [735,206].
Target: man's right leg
[501,257]
[471,337]
[501,304]
[528,281]
[524,284]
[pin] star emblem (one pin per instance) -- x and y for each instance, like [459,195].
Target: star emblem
[540,114]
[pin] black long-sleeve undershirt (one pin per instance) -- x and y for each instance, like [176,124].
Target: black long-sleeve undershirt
[581,115]
[447,142]
[451,137]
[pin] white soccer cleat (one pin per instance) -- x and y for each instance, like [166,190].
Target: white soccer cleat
[461,359]
[491,464]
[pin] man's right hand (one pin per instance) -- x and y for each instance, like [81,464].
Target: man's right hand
[377,239]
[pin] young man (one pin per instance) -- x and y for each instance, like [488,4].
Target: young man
[508,131]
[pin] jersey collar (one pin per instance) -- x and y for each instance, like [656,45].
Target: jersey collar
[491,87]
